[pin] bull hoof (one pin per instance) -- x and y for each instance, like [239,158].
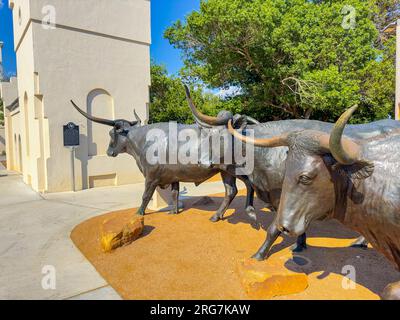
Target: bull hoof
[360,243]
[258,256]
[298,247]
[215,218]
[359,246]
[251,212]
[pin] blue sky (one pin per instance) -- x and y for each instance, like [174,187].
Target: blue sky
[6,35]
[163,14]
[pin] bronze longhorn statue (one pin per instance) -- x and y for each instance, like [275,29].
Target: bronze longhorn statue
[269,164]
[130,137]
[357,181]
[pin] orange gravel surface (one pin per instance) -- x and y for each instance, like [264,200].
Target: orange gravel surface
[186,256]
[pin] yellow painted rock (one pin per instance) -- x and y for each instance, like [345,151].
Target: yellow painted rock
[117,232]
[268,279]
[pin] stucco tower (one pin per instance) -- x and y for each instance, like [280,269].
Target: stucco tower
[95,52]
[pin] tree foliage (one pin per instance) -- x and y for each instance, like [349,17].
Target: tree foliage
[385,13]
[168,100]
[293,58]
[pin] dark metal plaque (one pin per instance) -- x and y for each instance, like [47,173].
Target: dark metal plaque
[71,135]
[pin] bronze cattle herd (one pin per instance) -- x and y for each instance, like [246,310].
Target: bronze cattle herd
[353,170]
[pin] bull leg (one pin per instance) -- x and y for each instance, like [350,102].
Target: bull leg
[361,242]
[266,198]
[251,212]
[230,193]
[175,198]
[150,187]
[272,234]
[301,243]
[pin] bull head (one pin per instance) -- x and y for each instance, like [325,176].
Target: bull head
[319,169]
[119,140]
[208,121]
[344,150]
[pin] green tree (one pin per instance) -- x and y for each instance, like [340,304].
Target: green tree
[292,58]
[168,100]
[385,12]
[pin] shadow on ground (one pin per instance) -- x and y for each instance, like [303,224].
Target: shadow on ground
[326,260]
[186,256]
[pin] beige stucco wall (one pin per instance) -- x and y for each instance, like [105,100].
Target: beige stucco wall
[9,93]
[99,56]
[2,139]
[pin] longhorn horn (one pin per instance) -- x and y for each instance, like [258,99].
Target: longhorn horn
[345,151]
[137,116]
[205,120]
[278,141]
[106,122]
[202,118]
[252,120]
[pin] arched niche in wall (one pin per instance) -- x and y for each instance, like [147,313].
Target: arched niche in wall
[26,116]
[100,104]
[15,157]
[20,161]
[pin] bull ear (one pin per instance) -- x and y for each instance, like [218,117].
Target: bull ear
[360,170]
[133,123]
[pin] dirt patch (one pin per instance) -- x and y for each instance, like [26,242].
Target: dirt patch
[186,256]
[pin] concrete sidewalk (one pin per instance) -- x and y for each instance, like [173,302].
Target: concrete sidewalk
[35,232]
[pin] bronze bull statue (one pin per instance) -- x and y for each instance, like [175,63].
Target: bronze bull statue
[357,181]
[269,164]
[130,137]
